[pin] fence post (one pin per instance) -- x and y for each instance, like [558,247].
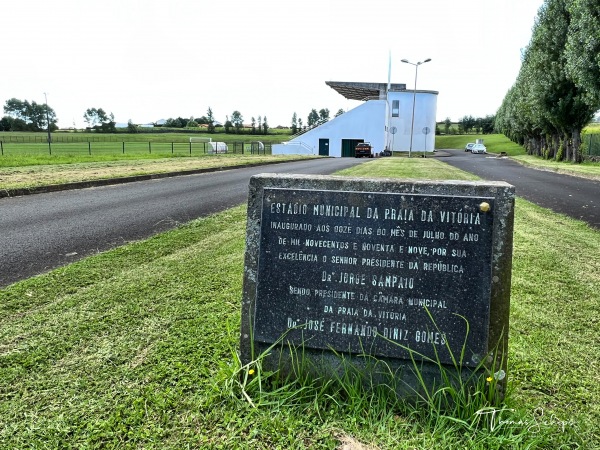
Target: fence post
[149,147]
[171,148]
[2,148]
[123,147]
[190,148]
[90,148]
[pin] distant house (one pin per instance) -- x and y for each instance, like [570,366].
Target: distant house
[385,119]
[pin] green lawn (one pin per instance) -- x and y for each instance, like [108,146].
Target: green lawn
[28,148]
[495,143]
[44,174]
[134,348]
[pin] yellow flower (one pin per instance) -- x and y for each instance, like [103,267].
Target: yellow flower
[489,379]
[251,372]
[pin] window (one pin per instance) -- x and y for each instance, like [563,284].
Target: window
[395,108]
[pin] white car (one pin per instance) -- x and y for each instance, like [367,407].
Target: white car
[478,148]
[469,146]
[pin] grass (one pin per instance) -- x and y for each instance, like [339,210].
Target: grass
[495,143]
[135,348]
[584,169]
[413,168]
[29,176]
[592,128]
[29,148]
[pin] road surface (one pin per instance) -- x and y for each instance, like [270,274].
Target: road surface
[574,196]
[44,231]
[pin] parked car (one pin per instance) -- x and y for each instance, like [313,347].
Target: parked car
[386,152]
[469,146]
[363,149]
[478,148]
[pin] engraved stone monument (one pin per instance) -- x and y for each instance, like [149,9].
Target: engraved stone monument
[346,268]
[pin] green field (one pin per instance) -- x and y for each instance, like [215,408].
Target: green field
[136,348]
[495,143]
[99,146]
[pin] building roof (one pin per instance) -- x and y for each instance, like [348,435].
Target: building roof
[369,91]
[363,91]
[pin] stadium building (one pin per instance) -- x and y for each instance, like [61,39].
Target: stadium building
[384,120]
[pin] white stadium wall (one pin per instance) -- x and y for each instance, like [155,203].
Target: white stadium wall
[425,116]
[373,122]
[365,122]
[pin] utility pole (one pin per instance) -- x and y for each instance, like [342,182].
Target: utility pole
[412,122]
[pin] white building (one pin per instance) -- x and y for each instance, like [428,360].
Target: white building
[384,120]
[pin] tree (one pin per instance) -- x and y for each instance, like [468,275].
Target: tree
[300,124]
[313,117]
[583,48]
[547,107]
[228,124]
[447,125]
[237,120]
[131,127]
[253,122]
[324,115]
[5,123]
[294,123]
[339,113]
[265,126]
[191,123]
[467,123]
[30,116]
[211,120]
[98,119]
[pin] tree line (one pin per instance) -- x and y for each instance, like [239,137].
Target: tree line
[21,115]
[313,118]
[468,124]
[557,90]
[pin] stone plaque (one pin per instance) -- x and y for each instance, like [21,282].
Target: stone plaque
[348,268]
[375,272]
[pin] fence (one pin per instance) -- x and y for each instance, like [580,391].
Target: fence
[36,145]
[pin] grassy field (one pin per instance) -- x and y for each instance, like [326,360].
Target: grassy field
[495,143]
[135,348]
[27,148]
[585,169]
[29,176]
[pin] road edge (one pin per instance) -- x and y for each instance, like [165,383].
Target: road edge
[130,179]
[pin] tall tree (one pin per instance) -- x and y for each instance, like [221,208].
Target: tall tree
[210,118]
[313,117]
[228,124]
[324,115]
[294,123]
[447,125]
[237,120]
[583,48]
[265,126]
[339,113]
[549,104]
[253,122]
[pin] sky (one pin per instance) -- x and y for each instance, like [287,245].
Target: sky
[145,60]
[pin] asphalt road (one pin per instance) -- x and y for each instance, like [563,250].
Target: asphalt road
[44,231]
[573,196]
